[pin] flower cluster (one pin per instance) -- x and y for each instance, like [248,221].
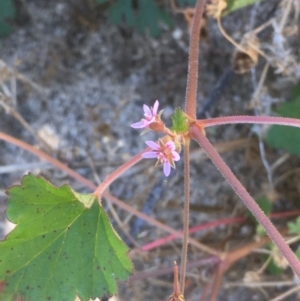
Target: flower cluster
[166,152]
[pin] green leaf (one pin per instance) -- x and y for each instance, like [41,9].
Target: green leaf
[5,29]
[63,246]
[121,11]
[294,227]
[7,9]
[233,5]
[149,17]
[179,121]
[287,137]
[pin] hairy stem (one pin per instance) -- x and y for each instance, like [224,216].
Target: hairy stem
[246,198]
[118,172]
[186,216]
[203,123]
[192,79]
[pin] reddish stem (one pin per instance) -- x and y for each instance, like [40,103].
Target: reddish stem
[118,172]
[186,214]
[246,198]
[225,221]
[192,79]
[203,123]
[48,158]
[176,283]
[166,239]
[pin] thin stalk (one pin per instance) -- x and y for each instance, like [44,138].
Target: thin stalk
[247,199]
[186,216]
[176,284]
[118,172]
[192,79]
[249,119]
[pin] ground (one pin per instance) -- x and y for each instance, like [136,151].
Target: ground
[90,80]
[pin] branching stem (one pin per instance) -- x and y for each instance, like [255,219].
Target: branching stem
[203,123]
[246,198]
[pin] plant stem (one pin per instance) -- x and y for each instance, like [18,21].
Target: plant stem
[246,198]
[249,119]
[118,172]
[186,216]
[192,79]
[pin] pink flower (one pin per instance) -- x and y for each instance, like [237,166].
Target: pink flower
[166,154]
[150,116]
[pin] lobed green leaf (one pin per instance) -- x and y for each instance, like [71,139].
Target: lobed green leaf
[63,246]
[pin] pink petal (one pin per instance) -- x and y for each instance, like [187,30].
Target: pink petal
[155,107]
[149,155]
[139,125]
[147,111]
[170,145]
[167,168]
[175,156]
[153,145]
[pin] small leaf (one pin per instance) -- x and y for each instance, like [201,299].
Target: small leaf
[233,5]
[180,124]
[149,17]
[7,9]
[63,246]
[287,137]
[5,29]
[121,11]
[294,227]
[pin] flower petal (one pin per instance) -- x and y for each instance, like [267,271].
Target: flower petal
[167,168]
[147,111]
[149,155]
[170,145]
[175,156]
[153,145]
[155,107]
[139,125]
